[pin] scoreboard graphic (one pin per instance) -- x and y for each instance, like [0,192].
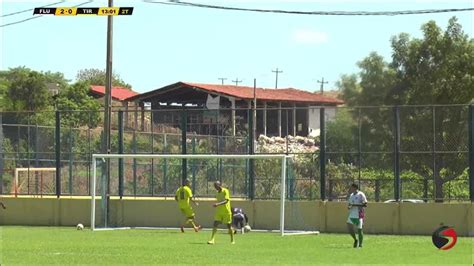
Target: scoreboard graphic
[84,11]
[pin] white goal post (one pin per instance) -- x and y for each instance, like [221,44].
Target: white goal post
[16,183]
[282,157]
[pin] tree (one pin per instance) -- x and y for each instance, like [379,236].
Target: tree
[27,90]
[78,108]
[436,69]
[56,79]
[97,77]
[3,93]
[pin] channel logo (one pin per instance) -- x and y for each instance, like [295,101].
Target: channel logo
[444,238]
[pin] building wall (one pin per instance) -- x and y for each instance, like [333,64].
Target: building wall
[314,121]
[330,217]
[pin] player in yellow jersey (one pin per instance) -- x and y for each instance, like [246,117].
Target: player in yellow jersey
[223,213]
[183,196]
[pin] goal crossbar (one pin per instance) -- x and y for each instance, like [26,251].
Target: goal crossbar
[282,157]
[191,156]
[30,169]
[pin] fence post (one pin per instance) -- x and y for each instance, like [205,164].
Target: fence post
[425,190]
[152,167]
[38,189]
[71,159]
[58,153]
[433,158]
[165,166]
[134,147]
[290,180]
[377,190]
[193,165]
[330,188]
[251,151]
[184,162]
[322,153]
[397,184]
[1,153]
[120,151]
[471,152]
[247,166]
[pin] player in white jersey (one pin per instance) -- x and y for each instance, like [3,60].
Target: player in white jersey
[357,203]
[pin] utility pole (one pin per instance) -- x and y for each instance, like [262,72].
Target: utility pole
[222,80]
[237,81]
[322,84]
[276,79]
[108,109]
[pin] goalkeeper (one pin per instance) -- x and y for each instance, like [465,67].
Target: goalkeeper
[183,196]
[239,219]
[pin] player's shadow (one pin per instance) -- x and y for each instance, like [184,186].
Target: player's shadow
[339,247]
[198,243]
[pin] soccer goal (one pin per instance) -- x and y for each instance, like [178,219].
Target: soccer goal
[198,164]
[34,181]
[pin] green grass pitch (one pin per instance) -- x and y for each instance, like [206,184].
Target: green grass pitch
[66,245]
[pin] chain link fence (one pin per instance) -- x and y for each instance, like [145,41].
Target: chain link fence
[426,147]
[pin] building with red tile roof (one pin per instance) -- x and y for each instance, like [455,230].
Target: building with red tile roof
[118,93]
[222,108]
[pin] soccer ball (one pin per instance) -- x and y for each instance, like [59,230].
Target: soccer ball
[80,227]
[247,228]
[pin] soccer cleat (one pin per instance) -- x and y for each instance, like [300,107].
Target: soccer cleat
[233,242]
[355,243]
[210,242]
[360,245]
[197,228]
[182,229]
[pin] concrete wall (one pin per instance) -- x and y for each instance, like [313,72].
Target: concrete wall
[381,218]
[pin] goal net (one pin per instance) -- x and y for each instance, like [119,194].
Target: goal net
[159,175]
[299,215]
[36,181]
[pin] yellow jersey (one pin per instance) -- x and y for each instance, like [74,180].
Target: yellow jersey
[222,196]
[184,194]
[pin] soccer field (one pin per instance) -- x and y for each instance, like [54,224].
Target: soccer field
[66,245]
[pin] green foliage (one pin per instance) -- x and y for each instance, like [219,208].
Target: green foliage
[342,132]
[3,93]
[436,69]
[27,90]
[97,77]
[77,107]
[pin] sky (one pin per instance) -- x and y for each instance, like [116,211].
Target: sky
[162,44]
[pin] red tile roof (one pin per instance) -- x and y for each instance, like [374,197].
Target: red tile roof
[286,94]
[118,93]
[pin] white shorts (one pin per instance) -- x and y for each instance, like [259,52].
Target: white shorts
[356,221]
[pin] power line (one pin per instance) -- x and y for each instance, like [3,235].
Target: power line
[25,20]
[31,9]
[319,13]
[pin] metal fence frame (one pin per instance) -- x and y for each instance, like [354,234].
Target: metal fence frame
[324,155]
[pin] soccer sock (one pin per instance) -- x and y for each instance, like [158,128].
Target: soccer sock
[193,223]
[214,231]
[351,231]
[361,236]
[231,232]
